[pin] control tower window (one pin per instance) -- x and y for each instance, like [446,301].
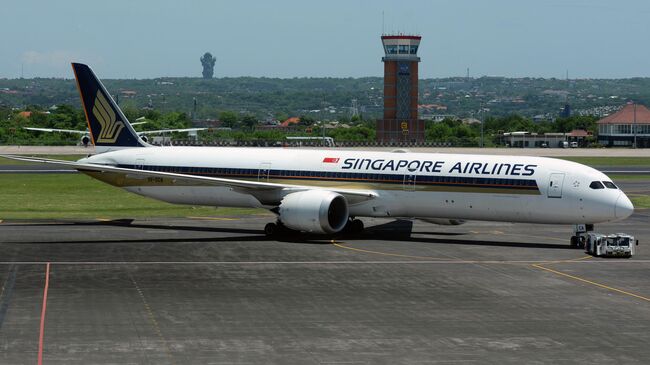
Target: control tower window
[391,49]
[414,49]
[403,49]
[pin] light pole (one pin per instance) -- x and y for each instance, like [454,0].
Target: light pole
[634,127]
[482,119]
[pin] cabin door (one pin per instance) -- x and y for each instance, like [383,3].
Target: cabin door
[264,171]
[409,181]
[555,183]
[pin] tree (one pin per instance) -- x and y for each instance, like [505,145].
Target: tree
[228,118]
[250,121]
[208,62]
[306,120]
[438,132]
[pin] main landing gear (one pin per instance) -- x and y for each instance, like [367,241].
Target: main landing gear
[353,226]
[275,229]
[580,235]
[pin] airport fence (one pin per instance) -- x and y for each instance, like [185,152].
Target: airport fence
[265,143]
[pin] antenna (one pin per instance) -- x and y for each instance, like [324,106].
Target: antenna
[22,70]
[383,23]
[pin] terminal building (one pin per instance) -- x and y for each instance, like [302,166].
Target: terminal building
[400,123]
[623,127]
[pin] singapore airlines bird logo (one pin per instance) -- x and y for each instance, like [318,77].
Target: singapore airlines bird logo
[110,126]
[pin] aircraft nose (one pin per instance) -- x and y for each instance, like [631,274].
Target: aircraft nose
[624,207]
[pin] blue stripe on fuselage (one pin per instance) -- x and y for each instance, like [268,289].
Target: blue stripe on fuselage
[358,177]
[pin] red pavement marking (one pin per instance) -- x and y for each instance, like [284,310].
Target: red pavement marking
[40,337]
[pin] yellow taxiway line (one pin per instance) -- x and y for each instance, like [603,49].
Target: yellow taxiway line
[603,286]
[536,265]
[340,245]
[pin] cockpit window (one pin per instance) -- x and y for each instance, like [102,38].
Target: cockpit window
[609,185]
[596,185]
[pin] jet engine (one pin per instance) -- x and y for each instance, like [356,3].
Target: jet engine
[144,138]
[443,221]
[314,211]
[85,140]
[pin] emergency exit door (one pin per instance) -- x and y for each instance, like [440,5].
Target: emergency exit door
[555,183]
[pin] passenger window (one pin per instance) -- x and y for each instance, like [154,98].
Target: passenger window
[596,185]
[610,185]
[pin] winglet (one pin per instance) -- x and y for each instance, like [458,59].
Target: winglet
[109,128]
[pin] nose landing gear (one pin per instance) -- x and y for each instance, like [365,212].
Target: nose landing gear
[580,235]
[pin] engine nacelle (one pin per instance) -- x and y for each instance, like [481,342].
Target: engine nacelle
[444,221]
[314,211]
[144,138]
[85,140]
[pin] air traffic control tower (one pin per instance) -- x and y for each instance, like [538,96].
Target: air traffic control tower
[400,122]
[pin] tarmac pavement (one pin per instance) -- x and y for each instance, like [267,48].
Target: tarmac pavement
[216,291]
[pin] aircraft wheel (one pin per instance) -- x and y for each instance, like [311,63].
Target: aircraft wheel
[271,229]
[353,226]
[574,241]
[356,226]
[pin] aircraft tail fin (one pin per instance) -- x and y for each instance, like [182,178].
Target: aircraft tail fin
[109,128]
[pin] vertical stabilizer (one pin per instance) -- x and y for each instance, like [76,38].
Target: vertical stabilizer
[109,128]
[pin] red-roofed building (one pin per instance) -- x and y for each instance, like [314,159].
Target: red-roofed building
[290,121]
[623,127]
[25,114]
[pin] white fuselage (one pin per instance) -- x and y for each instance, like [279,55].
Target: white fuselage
[424,185]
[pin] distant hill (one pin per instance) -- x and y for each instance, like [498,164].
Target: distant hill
[269,97]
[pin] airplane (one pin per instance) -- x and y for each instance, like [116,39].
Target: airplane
[326,191]
[85,138]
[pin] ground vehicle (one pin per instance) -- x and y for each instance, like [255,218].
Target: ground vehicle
[574,144]
[564,144]
[613,245]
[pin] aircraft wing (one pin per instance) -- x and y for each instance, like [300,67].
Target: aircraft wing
[159,131]
[266,192]
[75,131]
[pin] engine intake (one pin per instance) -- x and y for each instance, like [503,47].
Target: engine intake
[314,211]
[85,140]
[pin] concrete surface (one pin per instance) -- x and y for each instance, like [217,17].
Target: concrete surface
[216,291]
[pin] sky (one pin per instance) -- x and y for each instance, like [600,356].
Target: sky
[333,38]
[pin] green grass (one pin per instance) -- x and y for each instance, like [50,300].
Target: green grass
[640,201]
[616,177]
[610,161]
[54,196]
[6,161]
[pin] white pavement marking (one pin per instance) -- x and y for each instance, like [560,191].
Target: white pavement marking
[386,262]
[37,171]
